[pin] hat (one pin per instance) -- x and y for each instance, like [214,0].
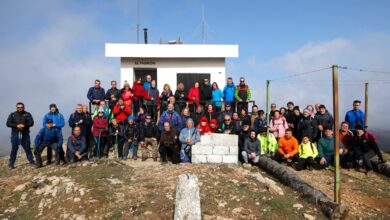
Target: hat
[130,118]
[359,127]
[246,122]
[322,106]
[49,121]
[290,103]
[100,110]
[296,108]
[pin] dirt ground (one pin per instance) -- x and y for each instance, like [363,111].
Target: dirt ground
[139,190]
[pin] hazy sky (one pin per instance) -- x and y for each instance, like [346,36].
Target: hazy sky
[51,51]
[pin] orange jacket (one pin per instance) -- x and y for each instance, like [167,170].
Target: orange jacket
[288,146]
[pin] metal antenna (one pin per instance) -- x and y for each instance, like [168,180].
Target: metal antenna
[203,39]
[138,21]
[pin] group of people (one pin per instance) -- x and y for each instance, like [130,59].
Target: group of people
[169,123]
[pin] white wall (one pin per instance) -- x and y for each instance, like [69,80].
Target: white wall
[167,69]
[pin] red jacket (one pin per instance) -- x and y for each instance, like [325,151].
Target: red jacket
[193,93]
[121,114]
[214,121]
[203,129]
[126,96]
[149,98]
[138,90]
[100,124]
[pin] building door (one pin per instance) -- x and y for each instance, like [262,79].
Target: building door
[189,79]
[144,72]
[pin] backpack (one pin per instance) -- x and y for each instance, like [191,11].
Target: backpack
[245,88]
[368,134]
[312,148]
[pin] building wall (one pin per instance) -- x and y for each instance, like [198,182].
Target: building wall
[167,69]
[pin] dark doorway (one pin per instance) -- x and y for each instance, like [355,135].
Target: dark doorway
[144,72]
[189,79]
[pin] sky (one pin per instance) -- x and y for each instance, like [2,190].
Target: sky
[51,51]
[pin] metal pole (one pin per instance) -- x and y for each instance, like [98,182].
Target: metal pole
[267,112]
[366,107]
[337,194]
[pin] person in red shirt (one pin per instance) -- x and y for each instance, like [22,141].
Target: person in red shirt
[214,125]
[203,126]
[138,90]
[347,138]
[193,96]
[127,94]
[121,112]
[99,131]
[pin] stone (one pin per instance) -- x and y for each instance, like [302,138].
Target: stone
[270,184]
[23,196]
[298,206]
[199,158]
[76,200]
[230,159]
[201,149]
[247,166]
[187,202]
[237,211]
[309,217]
[21,187]
[214,158]
[115,181]
[233,150]
[221,150]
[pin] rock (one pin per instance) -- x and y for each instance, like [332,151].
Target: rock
[237,211]
[10,210]
[309,217]
[222,204]
[115,181]
[187,203]
[270,184]
[148,213]
[76,200]
[21,187]
[247,165]
[298,206]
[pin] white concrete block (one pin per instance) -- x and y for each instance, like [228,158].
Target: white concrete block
[201,149]
[221,150]
[233,150]
[187,201]
[230,159]
[214,158]
[199,158]
[207,139]
[225,140]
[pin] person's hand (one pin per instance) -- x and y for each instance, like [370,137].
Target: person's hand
[129,140]
[345,151]
[253,155]
[182,95]
[77,153]
[152,98]
[81,121]
[20,126]
[54,125]
[287,156]
[153,138]
[122,107]
[323,161]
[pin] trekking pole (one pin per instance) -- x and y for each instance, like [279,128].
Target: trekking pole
[98,144]
[20,137]
[116,146]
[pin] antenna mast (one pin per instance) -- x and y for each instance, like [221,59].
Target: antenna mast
[138,21]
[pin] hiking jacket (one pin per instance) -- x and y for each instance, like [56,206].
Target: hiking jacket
[307,126]
[152,93]
[173,118]
[308,150]
[203,129]
[187,133]
[205,93]
[121,114]
[217,97]
[131,131]
[112,131]
[252,146]
[229,93]
[58,119]
[278,126]
[96,93]
[355,117]
[138,91]
[74,120]
[271,147]
[169,139]
[47,136]
[76,144]
[100,125]
[193,94]
[326,120]
[16,118]
[288,146]
[148,130]
[326,146]
[242,93]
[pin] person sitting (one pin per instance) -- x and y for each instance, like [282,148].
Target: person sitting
[169,150]
[185,114]
[141,115]
[48,136]
[288,148]
[203,126]
[210,112]
[227,126]
[188,136]
[251,148]
[149,135]
[171,116]
[307,154]
[121,111]
[365,148]
[115,134]
[326,148]
[243,134]
[347,138]
[131,136]
[227,111]
[76,147]
[213,125]
[236,121]
[99,132]
[270,146]
[197,115]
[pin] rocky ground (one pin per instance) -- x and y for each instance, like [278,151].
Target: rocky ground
[142,190]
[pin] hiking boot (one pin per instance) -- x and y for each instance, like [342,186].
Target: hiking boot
[58,163]
[369,173]
[38,166]
[11,167]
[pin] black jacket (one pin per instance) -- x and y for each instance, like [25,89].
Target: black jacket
[205,93]
[326,120]
[131,131]
[84,126]
[149,130]
[112,130]
[16,118]
[242,135]
[113,92]
[178,96]
[307,126]
[196,117]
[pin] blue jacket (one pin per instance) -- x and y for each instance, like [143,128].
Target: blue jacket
[58,119]
[94,93]
[76,144]
[147,85]
[217,96]
[48,136]
[228,93]
[354,117]
[187,133]
[173,118]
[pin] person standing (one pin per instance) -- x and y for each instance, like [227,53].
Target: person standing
[127,95]
[242,95]
[113,95]
[194,97]
[205,92]
[139,92]
[148,82]
[324,118]
[180,96]
[131,136]
[96,94]
[20,122]
[228,93]
[121,112]
[99,131]
[88,125]
[152,100]
[80,119]
[217,97]
[58,123]
[355,116]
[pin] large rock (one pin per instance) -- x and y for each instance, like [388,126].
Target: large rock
[187,203]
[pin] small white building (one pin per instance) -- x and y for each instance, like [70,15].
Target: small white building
[173,63]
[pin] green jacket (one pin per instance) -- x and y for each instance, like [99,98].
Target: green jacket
[272,147]
[326,146]
[308,150]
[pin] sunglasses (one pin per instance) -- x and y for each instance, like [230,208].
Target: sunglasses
[242,81]
[19,107]
[227,119]
[148,118]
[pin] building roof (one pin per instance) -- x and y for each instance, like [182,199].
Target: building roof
[171,50]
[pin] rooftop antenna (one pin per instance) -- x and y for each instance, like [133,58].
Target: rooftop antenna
[138,21]
[203,39]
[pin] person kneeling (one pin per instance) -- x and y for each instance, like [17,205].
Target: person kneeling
[326,148]
[168,145]
[76,146]
[288,148]
[307,154]
[48,136]
[251,148]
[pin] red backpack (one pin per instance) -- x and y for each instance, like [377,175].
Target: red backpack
[368,134]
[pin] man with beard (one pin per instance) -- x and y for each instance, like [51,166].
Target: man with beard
[242,95]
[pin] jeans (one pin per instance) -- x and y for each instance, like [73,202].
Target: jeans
[132,146]
[25,142]
[246,158]
[364,158]
[42,147]
[99,146]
